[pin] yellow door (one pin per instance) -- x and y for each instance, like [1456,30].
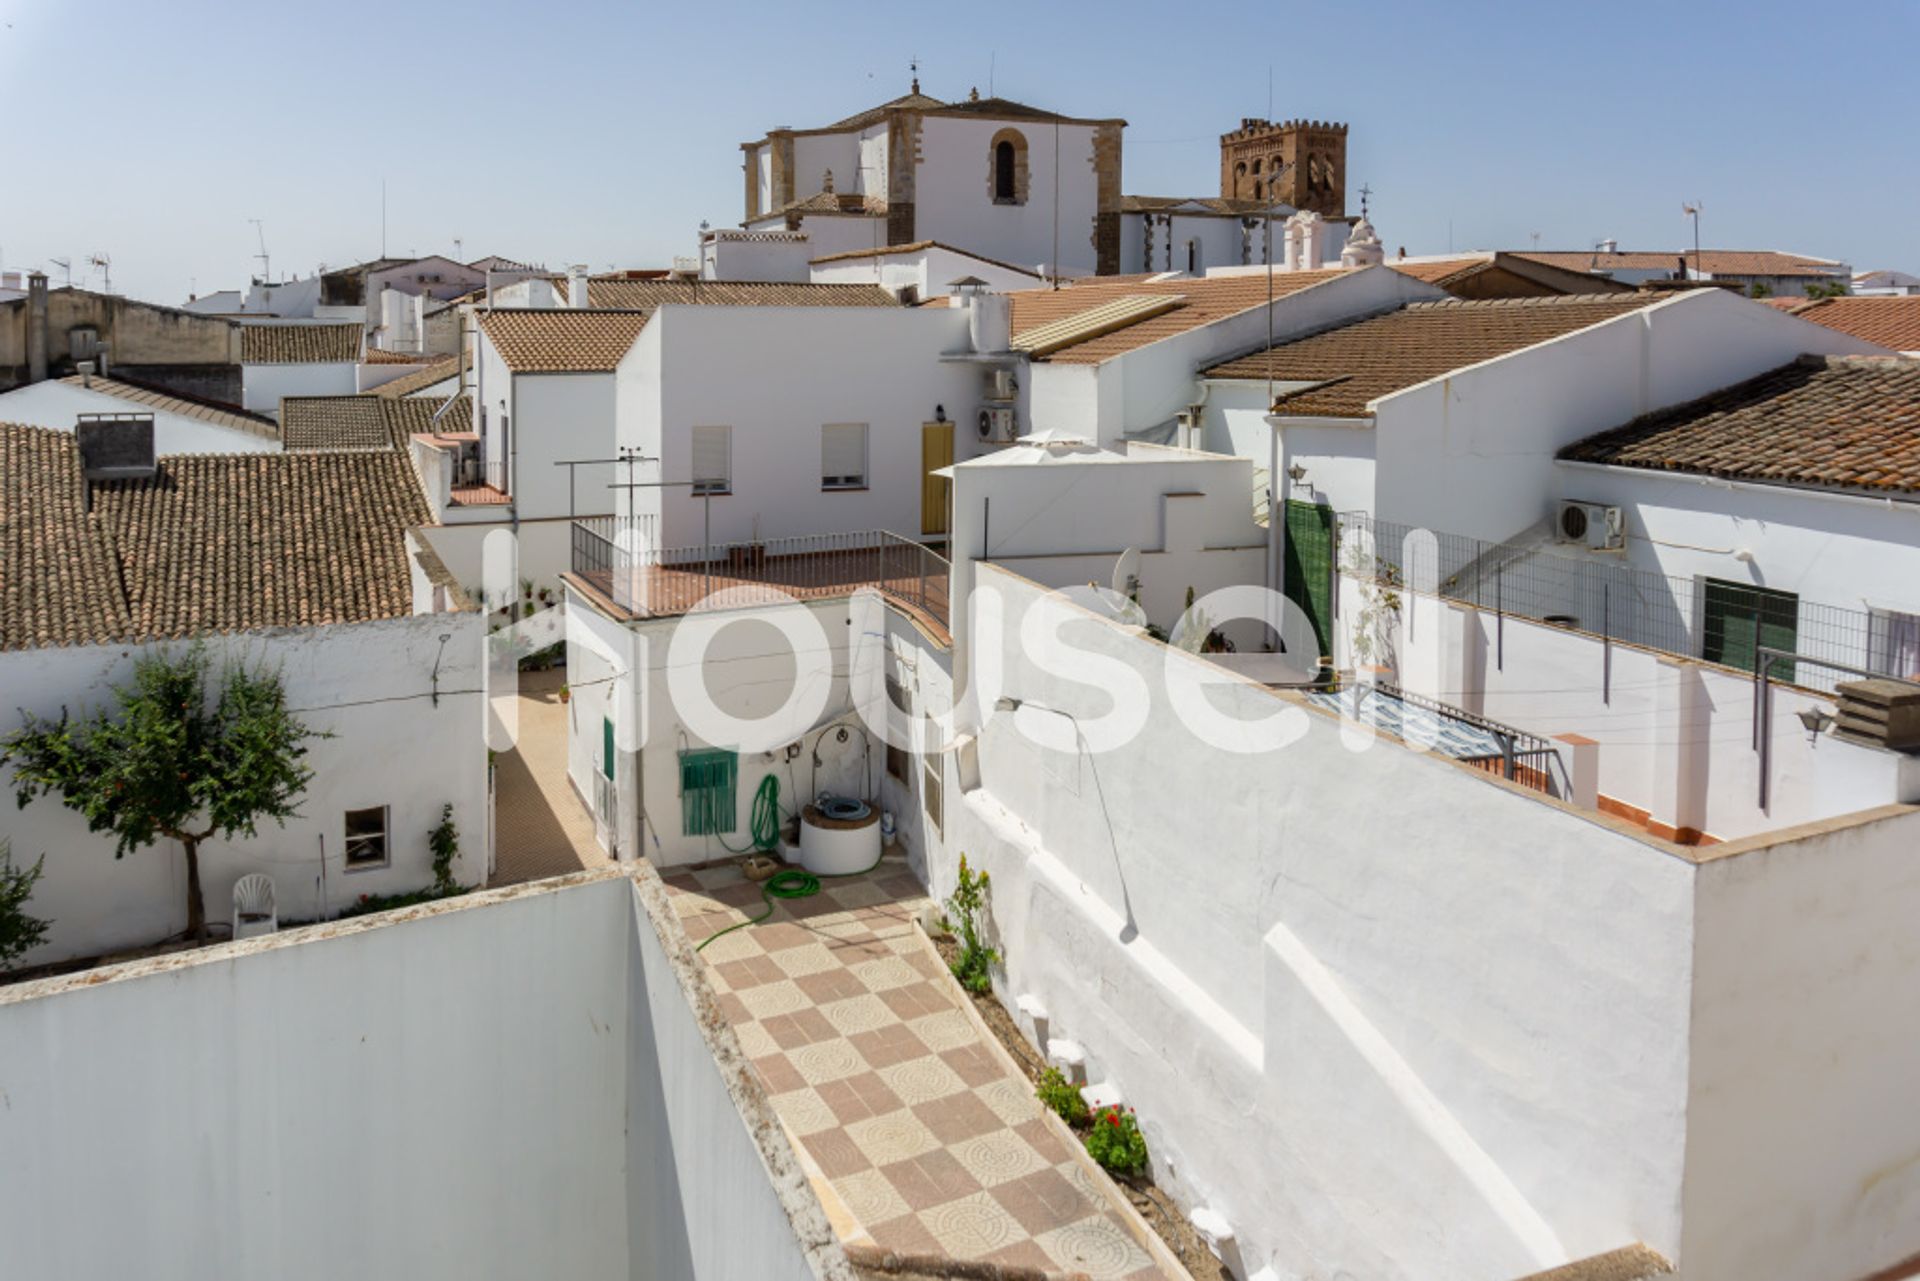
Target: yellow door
[936,451]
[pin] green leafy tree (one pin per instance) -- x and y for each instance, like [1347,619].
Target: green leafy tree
[171,760]
[1827,289]
[19,931]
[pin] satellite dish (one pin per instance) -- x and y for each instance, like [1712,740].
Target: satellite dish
[1126,573]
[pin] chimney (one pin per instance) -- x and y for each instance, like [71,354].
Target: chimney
[115,446]
[36,326]
[577,286]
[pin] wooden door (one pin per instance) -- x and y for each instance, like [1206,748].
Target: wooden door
[936,451]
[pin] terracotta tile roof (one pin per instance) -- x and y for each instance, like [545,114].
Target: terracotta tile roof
[1850,422]
[1203,300]
[379,356]
[367,421]
[1225,206]
[1893,321]
[562,340]
[334,422]
[406,384]
[59,585]
[300,344]
[210,543]
[1443,269]
[1409,345]
[919,246]
[1715,262]
[734,293]
[162,401]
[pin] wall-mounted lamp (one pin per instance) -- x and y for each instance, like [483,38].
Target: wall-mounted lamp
[1299,476]
[939,413]
[1816,719]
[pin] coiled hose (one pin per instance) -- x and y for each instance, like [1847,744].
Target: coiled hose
[789,883]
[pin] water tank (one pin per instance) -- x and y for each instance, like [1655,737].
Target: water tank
[990,323]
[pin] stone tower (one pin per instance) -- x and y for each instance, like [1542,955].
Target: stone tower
[1311,156]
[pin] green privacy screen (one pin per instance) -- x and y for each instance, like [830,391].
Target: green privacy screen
[606,747]
[706,792]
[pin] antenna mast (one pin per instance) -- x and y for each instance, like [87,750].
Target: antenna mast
[266,264]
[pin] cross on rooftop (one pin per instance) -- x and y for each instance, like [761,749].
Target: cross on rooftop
[1365,191]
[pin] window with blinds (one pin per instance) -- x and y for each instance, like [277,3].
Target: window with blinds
[712,460]
[843,456]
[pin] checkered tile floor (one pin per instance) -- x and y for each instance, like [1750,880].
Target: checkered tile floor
[926,1142]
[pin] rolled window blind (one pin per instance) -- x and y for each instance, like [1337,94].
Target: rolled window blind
[843,455]
[711,472]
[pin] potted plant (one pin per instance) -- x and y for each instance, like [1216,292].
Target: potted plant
[566,694]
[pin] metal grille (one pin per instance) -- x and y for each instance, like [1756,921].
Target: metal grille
[1718,621]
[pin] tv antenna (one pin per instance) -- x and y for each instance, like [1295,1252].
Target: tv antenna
[1692,210]
[103,261]
[266,264]
[66,267]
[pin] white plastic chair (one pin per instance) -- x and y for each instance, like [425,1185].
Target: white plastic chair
[253,909]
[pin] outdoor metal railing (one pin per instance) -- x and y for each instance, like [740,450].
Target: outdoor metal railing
[1718,621]
[621,557]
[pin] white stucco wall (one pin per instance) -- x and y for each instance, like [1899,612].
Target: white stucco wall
[1473,452]
[1335,1030]
[810,366]
[402,1120]
[263,386]
[369,685]
[55,404]
[953,197]
[562,417]
[1801,1130]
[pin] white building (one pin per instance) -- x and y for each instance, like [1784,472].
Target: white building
[372,639]
[1869,283]
[298,359]
[988,176]
[1761,273]
[180,426]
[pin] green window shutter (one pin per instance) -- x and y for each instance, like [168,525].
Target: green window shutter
[606,746]
[707,792]
[1309,568]
[1740,618]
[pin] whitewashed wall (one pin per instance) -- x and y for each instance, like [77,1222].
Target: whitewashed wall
[930,271]
[262,386]
[1828,548]
[953,195]
[1065,522]
[811,366]
[561,417]
[369,685]
[1801,1125]
[55,403]
[341,1138]
[1337,985]
[1473,452]
[1675,736]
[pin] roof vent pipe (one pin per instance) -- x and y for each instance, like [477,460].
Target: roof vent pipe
[577,286]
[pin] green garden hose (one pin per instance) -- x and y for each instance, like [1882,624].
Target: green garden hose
[764,821]
[789,883]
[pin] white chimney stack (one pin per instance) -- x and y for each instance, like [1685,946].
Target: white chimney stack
[577,286]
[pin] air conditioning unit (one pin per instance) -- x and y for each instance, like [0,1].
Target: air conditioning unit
[1595,526]
[995,423]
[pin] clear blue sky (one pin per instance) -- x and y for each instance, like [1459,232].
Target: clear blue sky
[604,132]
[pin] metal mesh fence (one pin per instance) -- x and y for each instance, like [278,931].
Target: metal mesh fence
[1719,621]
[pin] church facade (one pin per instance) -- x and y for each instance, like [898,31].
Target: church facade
[1025,188]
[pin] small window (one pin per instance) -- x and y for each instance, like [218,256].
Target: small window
[367,837]
[712,460]
[1193,257]
[1895,647]
[1003,188]
[930,794]
[843,456]
[897,762]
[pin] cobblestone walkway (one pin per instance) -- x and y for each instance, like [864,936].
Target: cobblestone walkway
[918,1137]
[542,828]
